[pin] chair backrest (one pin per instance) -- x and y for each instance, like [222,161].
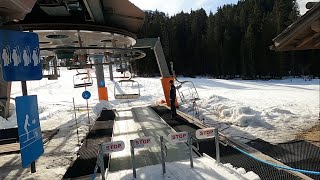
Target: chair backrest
[121,92]
[82,80]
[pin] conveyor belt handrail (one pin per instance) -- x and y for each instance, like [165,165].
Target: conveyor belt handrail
[276,165]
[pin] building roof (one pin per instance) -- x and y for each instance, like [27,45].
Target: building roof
[303,34]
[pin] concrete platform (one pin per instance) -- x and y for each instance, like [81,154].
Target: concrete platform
[139,122]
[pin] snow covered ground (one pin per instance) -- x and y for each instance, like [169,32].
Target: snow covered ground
[204,168]
[274,111]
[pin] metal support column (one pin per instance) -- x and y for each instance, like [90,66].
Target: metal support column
[5,92]
[110,66]
[99,72]
[110,72]
[102,90]
[25,93]
[55,66]
[161,59]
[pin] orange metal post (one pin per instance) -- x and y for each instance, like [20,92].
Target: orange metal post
[166,89]
[103,93]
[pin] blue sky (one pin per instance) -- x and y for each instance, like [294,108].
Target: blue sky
[175,6]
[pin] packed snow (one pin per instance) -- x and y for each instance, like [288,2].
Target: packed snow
[275,111]
[204,168]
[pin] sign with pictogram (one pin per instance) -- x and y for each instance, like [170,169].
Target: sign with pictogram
[29,131]
[86,95]
[20,56]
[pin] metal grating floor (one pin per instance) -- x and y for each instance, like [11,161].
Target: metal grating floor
[296,154]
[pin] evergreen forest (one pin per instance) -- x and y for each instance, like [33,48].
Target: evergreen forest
[233,42]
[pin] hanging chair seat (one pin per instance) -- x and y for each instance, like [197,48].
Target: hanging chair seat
[82,80]
[126,89]
[127,96]
[122,69]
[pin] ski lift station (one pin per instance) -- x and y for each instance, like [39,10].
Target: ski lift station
[86,37]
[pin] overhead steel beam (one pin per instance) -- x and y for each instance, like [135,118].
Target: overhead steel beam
[68,26]
[94,8]
[155,45]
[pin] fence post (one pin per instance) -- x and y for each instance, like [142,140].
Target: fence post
[133,159]
[162,156]
[216,135]
[190,149]
[101,156]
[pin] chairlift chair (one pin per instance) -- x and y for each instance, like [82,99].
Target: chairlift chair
[123,67]
[127,89]
[188,94]
[82,80]
[186,89]
[49,70]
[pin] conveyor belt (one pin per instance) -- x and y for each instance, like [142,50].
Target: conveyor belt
[9,139]
[101,131]
[139,122]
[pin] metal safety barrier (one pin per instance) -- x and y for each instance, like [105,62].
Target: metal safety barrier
[207,133]
[142,142]
[106,148]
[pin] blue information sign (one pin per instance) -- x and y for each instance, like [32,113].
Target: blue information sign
[86,95]
[30,136]
[20,56]
[102,83]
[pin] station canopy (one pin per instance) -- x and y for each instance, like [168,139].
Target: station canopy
[303,34]
[76,26]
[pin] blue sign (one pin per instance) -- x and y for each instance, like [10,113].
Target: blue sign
[20,56]
[102,83]
[86,95]
[30,136]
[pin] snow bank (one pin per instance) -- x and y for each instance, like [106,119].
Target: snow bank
[274,110]
[96,110]
[10,122]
